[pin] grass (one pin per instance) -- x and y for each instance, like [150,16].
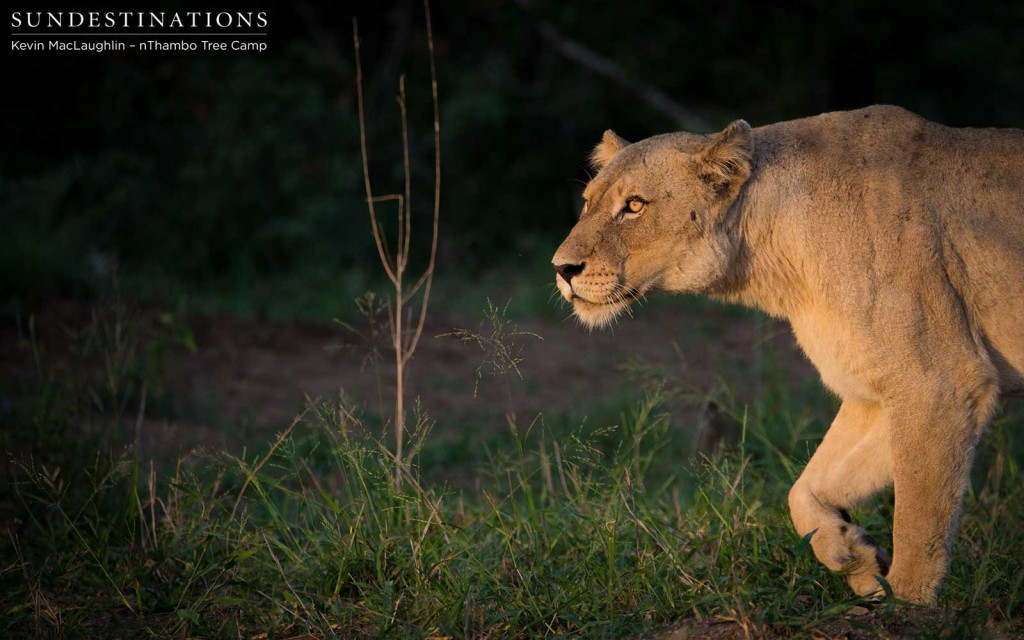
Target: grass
[550,529]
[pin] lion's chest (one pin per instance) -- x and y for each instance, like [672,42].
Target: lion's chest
[841,353]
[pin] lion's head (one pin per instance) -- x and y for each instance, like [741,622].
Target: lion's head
[655,218]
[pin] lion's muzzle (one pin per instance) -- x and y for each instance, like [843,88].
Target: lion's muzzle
[563,280]
[568,270]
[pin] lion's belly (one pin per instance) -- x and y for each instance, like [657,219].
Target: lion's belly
[841,356]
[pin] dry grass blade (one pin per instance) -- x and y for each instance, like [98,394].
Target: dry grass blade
[259,465]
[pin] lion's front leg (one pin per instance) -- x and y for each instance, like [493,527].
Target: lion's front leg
[852,463]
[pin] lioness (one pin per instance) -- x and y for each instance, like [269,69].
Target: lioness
[894,246]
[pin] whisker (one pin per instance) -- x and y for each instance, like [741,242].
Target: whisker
[585,170]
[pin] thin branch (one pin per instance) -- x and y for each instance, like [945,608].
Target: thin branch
[391,323]
[393,197]
[437,187]
[599,64]
[397,326]
[399,318]
[416,287]
[366,162]
[405,235]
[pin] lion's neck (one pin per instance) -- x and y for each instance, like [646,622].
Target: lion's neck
[766,272]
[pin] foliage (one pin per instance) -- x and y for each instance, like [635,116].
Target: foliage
[499,340]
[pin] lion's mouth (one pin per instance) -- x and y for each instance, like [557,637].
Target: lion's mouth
[601,306]
[597,313]
[619,297]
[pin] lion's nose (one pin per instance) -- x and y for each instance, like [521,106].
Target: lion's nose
[567,271]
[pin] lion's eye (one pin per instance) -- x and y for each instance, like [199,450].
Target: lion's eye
[633,207]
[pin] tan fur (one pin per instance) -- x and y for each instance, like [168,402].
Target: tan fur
[605,150]
[895,248]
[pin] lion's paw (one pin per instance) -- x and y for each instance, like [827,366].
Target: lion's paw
[866,561]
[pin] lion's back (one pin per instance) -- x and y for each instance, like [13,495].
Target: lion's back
[902,199]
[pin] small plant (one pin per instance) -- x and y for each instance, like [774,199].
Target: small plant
[502,352]
[405,331]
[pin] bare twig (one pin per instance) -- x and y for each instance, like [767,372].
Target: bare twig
[379,231]
[599,64]
[404,231]
[437,182]
[377,236]
[403,339]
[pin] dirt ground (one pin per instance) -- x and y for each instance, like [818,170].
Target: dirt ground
[248,377]
[859,624]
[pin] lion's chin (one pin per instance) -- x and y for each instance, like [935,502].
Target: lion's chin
[596,315]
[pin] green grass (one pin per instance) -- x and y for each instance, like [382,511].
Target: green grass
[550,529]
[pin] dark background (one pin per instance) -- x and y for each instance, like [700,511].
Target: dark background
[236,177]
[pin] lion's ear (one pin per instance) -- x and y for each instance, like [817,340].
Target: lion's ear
[724,164]
[605,150]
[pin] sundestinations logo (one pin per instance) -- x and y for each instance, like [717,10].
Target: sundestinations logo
[139,19]
[104,31]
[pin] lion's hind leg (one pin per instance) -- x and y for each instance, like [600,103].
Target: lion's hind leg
[933,444]
[852,464]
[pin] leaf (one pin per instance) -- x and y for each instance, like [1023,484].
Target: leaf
[188,615]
